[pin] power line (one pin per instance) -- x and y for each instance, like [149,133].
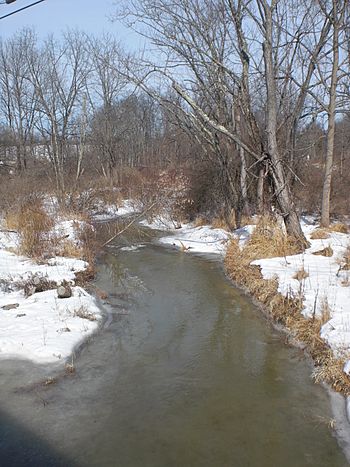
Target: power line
[21,9]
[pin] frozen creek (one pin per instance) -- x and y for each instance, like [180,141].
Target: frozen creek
[184,372]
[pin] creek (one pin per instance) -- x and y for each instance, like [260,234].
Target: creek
[185,371]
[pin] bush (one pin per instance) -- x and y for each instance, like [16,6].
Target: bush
[33,225]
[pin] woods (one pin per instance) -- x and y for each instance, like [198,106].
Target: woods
[235,88]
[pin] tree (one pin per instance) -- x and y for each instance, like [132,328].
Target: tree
[209,62]
[336,17]
[59,72]
[18,100]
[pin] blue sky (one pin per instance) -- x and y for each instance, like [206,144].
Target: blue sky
[54,16]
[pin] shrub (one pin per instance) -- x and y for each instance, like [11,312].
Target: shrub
[33,225]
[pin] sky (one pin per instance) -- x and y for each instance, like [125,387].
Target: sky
[55,16]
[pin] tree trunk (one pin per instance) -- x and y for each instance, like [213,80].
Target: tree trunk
[280,183]
[326,192]
[260,191]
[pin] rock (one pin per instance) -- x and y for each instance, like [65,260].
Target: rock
[20,315]
[64,291]
[10,306]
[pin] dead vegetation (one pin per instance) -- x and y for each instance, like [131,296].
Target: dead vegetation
[267,241]
[33,225]
[40,235]
[301,275]
[345,260]
[322,233]
[339,227]
[319,234]
[84,313]
[327,251]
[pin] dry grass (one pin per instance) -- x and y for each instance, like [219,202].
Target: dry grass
[339,227]
[248,220]
[200,221]
[238,267]
[319,234]
[325,311]
[12,220]
[33,225]
[269,241]
[71,249]
[84,313]
[285,310]
[346,282]
[220,223]
[345,261]
[328,252]
[323,233]
[301,275]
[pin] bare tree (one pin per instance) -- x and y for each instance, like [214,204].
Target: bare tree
[59,72]
[17,97]
[215,69]
[336,16]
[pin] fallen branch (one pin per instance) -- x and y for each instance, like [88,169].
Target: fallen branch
[130,223]
[8,231]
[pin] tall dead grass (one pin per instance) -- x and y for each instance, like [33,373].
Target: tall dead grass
[268,241]
[33,225]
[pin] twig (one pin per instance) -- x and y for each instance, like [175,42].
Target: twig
[8,231]
[130,223]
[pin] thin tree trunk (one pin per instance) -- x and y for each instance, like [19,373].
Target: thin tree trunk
[260,191]
[280,183]
[326,192]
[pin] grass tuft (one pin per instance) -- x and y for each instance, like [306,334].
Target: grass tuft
[328,252]
[84,313]
[33,225]
[339,227]
[319,234]
[301,275]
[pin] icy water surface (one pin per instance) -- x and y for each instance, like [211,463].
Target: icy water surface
[185,372]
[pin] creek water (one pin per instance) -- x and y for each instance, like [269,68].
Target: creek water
[184,372]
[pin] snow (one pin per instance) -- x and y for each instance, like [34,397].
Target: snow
[203,239]
[106,212]
[323,287]
[132,247]
[42,327]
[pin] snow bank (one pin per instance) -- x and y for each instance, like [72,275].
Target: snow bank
[204,239]
[106,212]
[325,287]
[42,327]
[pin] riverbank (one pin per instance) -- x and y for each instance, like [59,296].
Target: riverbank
[308,293]
[35,324]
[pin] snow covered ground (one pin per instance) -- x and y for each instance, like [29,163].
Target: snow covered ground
[203,239]
[325,287]
[42,327]
[106,212]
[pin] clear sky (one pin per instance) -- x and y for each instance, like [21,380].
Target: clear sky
[54,16]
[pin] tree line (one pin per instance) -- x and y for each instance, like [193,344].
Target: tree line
[249,87]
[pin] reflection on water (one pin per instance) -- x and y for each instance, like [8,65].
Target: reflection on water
[189,374]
